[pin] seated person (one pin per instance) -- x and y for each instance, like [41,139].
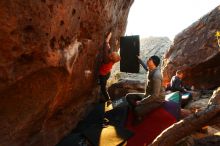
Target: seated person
[143,103]
[176,84]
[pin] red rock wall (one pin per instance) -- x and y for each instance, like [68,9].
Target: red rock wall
[47,47]
[196,51]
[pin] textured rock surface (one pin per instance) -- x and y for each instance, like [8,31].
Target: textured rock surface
[124,86]
[154,46]
[196,51]
[48,55]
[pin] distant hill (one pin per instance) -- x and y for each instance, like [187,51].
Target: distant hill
[154,46]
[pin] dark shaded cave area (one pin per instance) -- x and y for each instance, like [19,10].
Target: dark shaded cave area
[205,75]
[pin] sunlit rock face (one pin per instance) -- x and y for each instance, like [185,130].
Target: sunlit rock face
[48,54]
[196,51]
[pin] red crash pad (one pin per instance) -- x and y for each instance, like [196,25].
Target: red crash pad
[152,125]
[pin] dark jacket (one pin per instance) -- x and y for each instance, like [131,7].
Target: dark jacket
[176,84]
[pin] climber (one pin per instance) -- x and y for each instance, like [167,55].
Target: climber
[109,59]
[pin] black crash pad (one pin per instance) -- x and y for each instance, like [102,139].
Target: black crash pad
[129,50]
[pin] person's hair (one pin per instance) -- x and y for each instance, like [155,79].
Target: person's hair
[178,72]
[155,59]
[114,56]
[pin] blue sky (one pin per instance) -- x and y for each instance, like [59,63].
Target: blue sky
[165,17]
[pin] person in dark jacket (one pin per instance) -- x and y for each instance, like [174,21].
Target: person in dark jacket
[143,103]
[176,84]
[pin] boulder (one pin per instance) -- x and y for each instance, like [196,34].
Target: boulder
[195,51]
[48,55]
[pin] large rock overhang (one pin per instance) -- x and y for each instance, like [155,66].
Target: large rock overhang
[48,54]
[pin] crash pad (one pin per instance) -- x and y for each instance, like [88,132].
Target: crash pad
[129,50]
[151,126]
